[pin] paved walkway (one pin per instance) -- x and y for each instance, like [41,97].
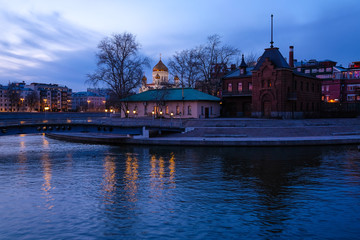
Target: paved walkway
[237,132]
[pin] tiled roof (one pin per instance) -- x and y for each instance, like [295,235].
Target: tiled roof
[236,73]
[274,56]
[171,94]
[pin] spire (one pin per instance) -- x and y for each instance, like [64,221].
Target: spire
[160,56]
[272,41]
[243,64]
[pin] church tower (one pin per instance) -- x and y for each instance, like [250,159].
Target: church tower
[160,74]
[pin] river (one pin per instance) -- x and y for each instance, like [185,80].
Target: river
[58,190]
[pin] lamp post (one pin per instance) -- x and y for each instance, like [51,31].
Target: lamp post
[160,117]
[88,105]
[22,103]
[171,117]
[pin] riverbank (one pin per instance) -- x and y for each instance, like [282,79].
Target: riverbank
[234,132]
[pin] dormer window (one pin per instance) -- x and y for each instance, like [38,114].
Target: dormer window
[242,71]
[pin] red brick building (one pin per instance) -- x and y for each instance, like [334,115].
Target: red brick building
[271,89]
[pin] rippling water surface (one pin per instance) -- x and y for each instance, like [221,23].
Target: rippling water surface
[57,190]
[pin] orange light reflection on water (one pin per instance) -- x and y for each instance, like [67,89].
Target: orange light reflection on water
[109,179]
[131,176]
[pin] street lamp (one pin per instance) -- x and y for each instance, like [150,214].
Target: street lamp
[127,113]
[22,103]
[88,102]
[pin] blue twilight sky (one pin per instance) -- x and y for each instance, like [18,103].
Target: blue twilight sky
[55,41]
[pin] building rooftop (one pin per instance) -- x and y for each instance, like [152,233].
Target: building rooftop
[236,73]
[274,56]
[171,94]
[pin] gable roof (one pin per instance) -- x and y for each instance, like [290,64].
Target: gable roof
[236,73]
[170,94]
[274,56]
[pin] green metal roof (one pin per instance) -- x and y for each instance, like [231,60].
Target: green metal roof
[171,94]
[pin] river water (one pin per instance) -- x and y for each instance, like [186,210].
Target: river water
[58,190]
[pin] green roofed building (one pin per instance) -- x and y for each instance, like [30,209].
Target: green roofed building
[172,102]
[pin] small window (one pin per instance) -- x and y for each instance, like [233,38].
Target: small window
[250,86]
[239,87]
[202,110]
[189,110]
[229,87]
[177,110]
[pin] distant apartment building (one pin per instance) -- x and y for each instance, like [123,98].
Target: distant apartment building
[19,97]
[338,84]
[88,102]
[52,97]
[324,70]
[15,97]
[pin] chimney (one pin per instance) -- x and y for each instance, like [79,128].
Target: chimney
[291,56]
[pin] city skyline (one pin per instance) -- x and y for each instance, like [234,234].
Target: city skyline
[56,42]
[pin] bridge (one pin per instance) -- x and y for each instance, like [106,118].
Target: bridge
[53,123]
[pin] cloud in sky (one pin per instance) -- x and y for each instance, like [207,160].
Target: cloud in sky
[55,41]
[34,47]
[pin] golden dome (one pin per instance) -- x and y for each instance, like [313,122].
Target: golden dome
[144,78]
[160,66]
[176,77]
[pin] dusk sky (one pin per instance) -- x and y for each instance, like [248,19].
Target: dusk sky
[56,41]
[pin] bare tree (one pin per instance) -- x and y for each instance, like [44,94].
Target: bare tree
[251,59]
[32,100]
[213,58]
[119,65]
[13,94]
[185,65]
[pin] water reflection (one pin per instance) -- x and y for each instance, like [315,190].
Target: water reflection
[131,177]
[47,175]
[22,155]
[46,186]
[162,172]
[109,179]
[175,192]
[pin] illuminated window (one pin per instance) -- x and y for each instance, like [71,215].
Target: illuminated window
[229,88]
[250,86]
[240,87]
[177,110]
[329,69]
[167,110]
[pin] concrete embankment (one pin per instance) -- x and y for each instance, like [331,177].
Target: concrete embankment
[238,132]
